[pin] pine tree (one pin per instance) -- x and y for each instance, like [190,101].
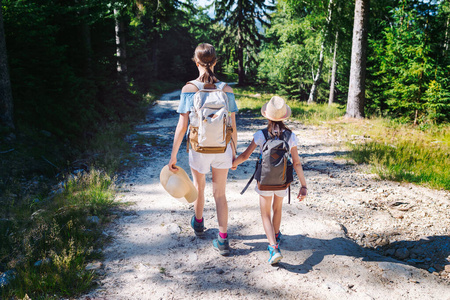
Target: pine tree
[409,65]
[240,32]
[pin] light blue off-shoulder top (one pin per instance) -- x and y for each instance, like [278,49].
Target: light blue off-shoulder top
[187,101]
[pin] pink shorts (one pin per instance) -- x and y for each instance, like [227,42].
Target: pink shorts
[202,162]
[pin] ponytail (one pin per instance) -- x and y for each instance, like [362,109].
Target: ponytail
[205,55]
[275,128]
[208,76]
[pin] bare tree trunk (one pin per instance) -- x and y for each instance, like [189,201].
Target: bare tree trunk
[313,93]
[446,39]
[316,78]
[120,46]
[333,70]
[240,57]
[356,91]
[6,99]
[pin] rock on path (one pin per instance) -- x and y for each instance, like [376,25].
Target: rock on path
[155,254]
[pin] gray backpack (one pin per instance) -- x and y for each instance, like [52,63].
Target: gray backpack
[274,170]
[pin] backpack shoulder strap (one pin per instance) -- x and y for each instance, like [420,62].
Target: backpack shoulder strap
[287,135]
[265,131]
[200,85]
[251,178]
[220,85]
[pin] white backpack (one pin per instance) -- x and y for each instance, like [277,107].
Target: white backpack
[210,121]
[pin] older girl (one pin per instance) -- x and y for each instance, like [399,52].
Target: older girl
[201,163]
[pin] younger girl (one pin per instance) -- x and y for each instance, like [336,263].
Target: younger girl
[276,110]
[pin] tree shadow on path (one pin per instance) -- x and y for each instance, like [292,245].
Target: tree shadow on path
[339,246]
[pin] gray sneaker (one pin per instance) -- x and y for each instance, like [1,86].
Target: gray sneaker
[222,246]
[199,228]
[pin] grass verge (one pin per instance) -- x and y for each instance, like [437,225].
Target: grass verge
[400,152]
[249,99]
[47,243]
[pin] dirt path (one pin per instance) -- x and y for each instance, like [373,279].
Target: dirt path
[155,254]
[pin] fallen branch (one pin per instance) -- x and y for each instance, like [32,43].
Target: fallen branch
[10,150]
[49,161]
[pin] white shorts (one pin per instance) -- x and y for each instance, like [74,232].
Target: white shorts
[201,162]
[280,193]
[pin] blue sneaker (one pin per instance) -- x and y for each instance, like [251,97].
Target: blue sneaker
[275,254]
[222,246]
[278,238]
[199,228]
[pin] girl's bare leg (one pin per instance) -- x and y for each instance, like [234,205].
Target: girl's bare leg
[266,207]
[199,182]
[219,181]
[277,210]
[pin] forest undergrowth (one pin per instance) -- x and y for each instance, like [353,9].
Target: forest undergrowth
[56,201]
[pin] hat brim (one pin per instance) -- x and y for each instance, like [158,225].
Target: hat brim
[190,195]
[286,116]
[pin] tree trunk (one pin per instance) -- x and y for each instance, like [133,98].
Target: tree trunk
[356,91]
[6,100]
[240,57]
[446,37]
[333,70]
[313,93]
[120,47]
[316,78]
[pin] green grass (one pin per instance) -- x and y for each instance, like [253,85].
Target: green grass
[52,240]
[44,222]
[401,152]
[162,86]
[249,99]
[47,233]
[107,150]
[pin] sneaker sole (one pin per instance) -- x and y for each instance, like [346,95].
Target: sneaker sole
[199,234]
[222,252]
[276,260]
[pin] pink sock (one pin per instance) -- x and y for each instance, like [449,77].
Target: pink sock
[198,220]
[223,235]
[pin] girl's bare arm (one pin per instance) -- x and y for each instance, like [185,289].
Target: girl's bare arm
[299,170]
[182,126]
[244,155]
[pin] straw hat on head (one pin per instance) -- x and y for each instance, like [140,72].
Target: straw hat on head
[276,109]
[178,184]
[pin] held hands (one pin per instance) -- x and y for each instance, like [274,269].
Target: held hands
[234,166]
[302,193]
[235,163]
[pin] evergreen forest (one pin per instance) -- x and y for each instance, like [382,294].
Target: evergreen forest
[76,75]
[72,65]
